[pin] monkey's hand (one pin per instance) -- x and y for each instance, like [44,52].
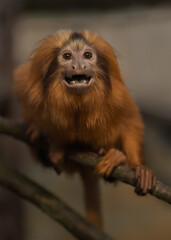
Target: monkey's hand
[147,180]
[114,158]
[56,157]
[110,160]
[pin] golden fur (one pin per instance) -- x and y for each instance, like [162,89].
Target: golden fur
[105,117]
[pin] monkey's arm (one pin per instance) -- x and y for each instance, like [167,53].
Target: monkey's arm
[132,153]
[133,148]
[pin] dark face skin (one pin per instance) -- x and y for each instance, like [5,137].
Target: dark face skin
[76,61]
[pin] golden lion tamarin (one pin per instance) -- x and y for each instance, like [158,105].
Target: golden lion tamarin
[72,93]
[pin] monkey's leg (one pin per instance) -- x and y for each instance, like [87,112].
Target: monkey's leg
[110,160]
[92,196]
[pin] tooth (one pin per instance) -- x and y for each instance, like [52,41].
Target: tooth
[72,82]
[84,81]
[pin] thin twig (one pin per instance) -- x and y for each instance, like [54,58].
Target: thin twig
[122,172]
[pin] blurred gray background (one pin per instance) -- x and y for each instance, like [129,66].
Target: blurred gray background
[140,33]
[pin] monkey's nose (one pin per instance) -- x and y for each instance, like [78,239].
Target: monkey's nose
[79,66]
[75,66]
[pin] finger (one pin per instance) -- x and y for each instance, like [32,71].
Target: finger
[137,173]
[146,181]
[150,181]
[110,167]
[119,155]
[122,159]
[102,167]
[111,153]
[142,179]
[106,157]
[99,167]
[103,162]
[108,171]
[107,160]
[99,171]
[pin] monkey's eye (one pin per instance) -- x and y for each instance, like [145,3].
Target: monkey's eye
[67,56]
[87,55]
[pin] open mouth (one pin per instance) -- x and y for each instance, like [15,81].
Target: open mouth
[79,79]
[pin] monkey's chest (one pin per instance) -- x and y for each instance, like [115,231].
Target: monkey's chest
[92,138]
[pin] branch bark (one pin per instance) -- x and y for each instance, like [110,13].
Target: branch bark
[53,206]
[122,172]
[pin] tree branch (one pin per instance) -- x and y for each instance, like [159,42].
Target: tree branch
[122,172]
[53,206]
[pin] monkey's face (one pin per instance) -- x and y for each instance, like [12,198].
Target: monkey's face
[77,61]
[71,64]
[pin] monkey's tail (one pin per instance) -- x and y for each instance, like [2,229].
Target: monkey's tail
[92,197]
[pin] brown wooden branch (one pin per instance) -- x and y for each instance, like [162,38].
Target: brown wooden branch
[122,172]
[53,206]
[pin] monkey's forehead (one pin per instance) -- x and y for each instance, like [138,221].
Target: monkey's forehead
[74,40]
[77,45]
